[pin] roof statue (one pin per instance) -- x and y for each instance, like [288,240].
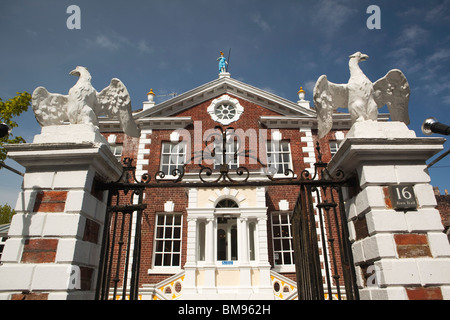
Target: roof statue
[84,104]
[361,96]
[222,63]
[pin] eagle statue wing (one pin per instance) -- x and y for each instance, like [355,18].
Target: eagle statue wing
[114,101]
[393,90]
[49,108]
[328,96]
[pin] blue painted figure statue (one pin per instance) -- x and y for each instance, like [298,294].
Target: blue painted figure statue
[222,63]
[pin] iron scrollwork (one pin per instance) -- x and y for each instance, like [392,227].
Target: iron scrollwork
[221,148]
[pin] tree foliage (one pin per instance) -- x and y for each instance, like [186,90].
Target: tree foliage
[8,110]
[6,213]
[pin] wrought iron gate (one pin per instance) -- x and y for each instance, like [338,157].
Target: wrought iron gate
[318,217]
[320,207]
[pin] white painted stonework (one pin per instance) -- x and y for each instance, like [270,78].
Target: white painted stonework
[382,154]
[74,164]
[248,277]
[225,100]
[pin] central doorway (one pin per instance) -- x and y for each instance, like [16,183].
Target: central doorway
[227,248]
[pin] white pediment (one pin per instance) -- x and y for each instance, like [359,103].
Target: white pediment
[221,86]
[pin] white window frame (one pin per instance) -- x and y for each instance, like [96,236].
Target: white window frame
[334,147]
[172,160]
[279,236]
[117,150]
[275,160]
[156,268]
[231,147]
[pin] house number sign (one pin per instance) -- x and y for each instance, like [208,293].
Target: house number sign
[403,197]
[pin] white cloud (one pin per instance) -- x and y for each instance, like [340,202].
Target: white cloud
[406,59]
[331,15]
[144,48]
[446,100]
[309,87]
[107,43]
[412,35]
[439,56]
[264,25]
[113,42]
[439,12]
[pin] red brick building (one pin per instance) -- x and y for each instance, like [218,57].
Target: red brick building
[233,242]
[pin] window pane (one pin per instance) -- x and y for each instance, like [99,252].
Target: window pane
[167,246]
[168,234]
[277,231]
[159,232]
[166,148]
[177,233]
[176,260]
[176,246]
[285,231]
[286,244]
[167,260]
[287,258]
[158,259]
[277,245]
[278,259]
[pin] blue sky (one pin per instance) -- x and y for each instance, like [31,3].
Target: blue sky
[172,46]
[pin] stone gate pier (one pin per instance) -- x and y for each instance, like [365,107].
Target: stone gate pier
[55,238]
[398,244]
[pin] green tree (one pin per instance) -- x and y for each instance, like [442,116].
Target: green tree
[6,213]
[9,109]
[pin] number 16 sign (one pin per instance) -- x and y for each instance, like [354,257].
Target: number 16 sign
[403,197]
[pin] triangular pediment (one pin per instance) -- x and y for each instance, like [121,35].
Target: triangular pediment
[221,86]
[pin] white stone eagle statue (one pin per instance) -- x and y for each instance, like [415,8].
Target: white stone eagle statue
[361,96]
[84,104]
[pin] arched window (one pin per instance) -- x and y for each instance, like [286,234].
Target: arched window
[227,233]
[227,203]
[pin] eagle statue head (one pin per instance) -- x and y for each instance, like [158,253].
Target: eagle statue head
[359,56]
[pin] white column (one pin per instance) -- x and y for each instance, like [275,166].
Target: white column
[244,265]
[210,267]
[265,284]
[243,253]
[209,242]
[190,268]
[263,250]
[191,250]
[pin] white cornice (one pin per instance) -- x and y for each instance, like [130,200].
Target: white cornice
[340,121]
[225,86]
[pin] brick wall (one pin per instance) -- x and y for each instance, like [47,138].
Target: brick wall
[155,198]
[443,205]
